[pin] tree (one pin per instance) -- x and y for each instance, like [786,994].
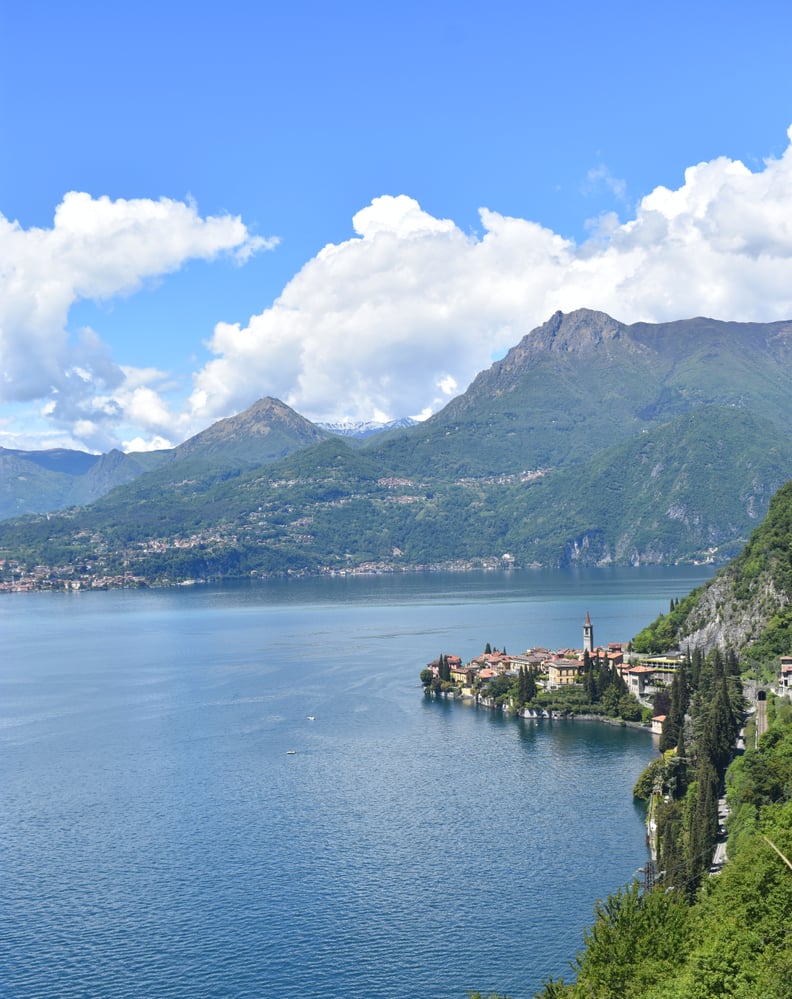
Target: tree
[637,937]
[522,688]
[499,687]
[530,680]
[661,702]
[675,719]
[526,686]
[703,831]
[629,708]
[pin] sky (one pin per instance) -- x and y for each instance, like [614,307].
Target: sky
[356,207]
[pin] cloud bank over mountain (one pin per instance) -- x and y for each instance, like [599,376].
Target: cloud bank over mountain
[403,315]
[391,322]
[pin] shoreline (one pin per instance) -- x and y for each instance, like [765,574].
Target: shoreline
[15,579]
[542,715]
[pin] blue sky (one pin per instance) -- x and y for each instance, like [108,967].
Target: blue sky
[205,204]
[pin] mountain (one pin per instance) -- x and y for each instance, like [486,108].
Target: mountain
[265,432]
[55,460]
[363,429]
[689,489]
[583,382]
[590,443]
[28,485]
[46,481]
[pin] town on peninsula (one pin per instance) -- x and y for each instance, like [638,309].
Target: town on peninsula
[603,681]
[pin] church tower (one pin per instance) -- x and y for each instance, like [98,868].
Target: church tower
[588,635]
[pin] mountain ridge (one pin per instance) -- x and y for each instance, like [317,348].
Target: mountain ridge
[590,443]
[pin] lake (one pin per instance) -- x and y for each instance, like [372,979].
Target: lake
[241,791]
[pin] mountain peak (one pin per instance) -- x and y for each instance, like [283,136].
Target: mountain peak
[265,431]
[576,331]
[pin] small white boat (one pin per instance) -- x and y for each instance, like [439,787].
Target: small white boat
[311,717]
[291,752]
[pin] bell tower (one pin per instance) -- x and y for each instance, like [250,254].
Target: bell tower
[588,635]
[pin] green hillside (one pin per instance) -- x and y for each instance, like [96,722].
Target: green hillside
[583,382]
[717,937]
[589,443]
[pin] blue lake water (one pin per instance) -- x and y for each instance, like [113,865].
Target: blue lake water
[158,838]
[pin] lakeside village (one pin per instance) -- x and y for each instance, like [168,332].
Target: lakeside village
[608,682]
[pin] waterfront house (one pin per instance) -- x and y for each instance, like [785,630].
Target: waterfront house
[463,674]
[497,661]
[532,659]
[562,672]
[638,678]
[657,724]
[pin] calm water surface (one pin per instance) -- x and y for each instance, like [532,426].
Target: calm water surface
[157,838]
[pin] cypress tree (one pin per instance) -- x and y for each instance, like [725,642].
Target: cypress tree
[720,729]
[522,687]
[670,849]
[530,685]
[696,663]
[590,682]
[703,831]
[675,719]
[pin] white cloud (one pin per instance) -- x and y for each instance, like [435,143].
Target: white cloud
[388,320]
[96,249]
[152,444]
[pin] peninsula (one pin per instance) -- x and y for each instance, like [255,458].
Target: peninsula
[606,681]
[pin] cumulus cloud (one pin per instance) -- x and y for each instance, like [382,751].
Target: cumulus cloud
[97,248]
[393,320]
[411,307]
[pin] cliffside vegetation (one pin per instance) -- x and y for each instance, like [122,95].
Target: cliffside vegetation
[729,936]
[748,606]
[697,935]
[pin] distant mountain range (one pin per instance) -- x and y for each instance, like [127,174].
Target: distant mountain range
[46,481]
[591,442]
[361,430]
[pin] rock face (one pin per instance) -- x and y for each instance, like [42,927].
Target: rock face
[748,605]
[722,619]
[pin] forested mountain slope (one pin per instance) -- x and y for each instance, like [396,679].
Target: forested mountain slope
[590,443]
[46,481]
[583,382]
